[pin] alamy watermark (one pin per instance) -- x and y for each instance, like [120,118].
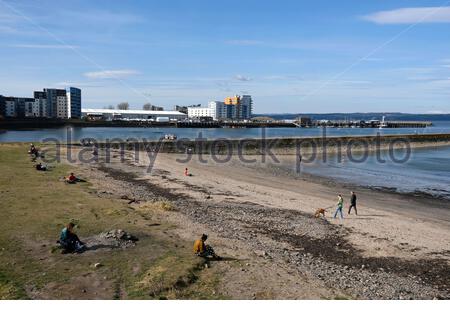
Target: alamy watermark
[223,150]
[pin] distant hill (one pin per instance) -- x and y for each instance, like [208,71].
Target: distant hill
[395,116]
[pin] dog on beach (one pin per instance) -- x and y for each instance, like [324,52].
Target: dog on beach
[319,212]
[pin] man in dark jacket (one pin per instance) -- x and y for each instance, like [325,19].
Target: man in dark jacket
[352,203]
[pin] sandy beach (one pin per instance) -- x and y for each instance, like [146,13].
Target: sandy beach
[261,218]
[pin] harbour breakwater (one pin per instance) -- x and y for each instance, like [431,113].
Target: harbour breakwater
[38,123]
[280,146]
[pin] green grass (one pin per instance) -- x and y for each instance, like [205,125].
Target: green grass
[36,205]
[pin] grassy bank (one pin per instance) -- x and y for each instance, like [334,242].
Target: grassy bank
[36,205]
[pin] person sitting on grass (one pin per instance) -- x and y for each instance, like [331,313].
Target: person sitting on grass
[33,151]
[69,241]
[71,178]
[41,167]
[203,250]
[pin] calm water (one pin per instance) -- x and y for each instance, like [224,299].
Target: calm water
[427,171]
[191,133]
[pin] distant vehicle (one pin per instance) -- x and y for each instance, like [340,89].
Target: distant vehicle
[170,137]
[162,119]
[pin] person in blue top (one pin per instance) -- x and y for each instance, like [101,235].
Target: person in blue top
[69,240]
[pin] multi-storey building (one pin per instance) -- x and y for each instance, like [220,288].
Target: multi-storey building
[246,107]
[52,101]
[11,109]
[41,99]
[239,108]
[73,103]
[200,112]
[49,103]
[218,110]
[62,110]
[32,109]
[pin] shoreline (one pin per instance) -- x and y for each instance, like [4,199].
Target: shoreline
[422,198]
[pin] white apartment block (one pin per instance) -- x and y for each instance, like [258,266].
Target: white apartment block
[218,109]
[61,107]
[215,109]
[196,112]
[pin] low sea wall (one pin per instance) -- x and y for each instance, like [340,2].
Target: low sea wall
[275,145]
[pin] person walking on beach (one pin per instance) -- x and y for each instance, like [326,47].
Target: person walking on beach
[340,204]
[352,203]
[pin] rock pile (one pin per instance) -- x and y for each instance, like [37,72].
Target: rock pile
[122,238]
[114,239]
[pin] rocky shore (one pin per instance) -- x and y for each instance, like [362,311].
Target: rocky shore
[290,240]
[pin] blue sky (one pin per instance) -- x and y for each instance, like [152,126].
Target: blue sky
[291,56]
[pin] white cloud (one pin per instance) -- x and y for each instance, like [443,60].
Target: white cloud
[411,15]
[111,74]
[242,78]
[42,46]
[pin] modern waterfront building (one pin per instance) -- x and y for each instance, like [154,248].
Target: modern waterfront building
[218,110]
[54,101]
[233,108]
[238,107]
[32,109]
[41,99]
[111,114]
[246,107]
[49,103]
[201,112]
[61,107]
[73,103]
[12,107]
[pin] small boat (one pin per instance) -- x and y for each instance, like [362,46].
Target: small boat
[383,124]
[170,137]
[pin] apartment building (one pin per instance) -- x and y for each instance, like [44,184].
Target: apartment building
[49,103]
